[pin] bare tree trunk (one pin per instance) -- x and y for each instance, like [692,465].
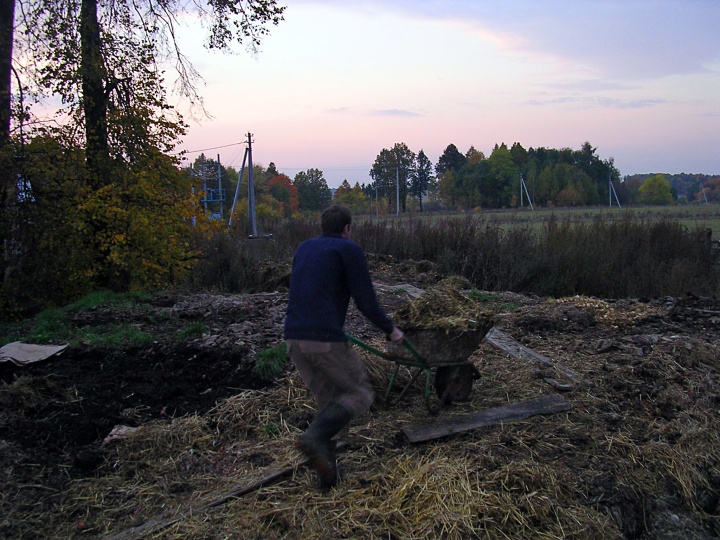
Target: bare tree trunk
[7,17]
[95,99]
[7,171]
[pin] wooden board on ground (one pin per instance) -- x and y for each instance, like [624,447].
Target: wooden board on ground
[549,404]
[503,341]
[162,522]
[249,484]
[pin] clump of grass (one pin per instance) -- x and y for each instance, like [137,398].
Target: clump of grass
[194,330]
[115,335]
[272,430]
[50,325]
[269,363]
[482,296]
[103,298]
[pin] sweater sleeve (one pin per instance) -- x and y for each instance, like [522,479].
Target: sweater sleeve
[362,290]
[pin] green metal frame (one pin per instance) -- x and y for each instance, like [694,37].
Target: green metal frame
[418,363]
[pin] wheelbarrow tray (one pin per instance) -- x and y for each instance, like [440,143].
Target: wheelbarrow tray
[438,346]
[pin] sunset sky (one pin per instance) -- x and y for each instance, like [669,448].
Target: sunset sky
[337,81]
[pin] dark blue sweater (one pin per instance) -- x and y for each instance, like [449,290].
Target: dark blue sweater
[327,271]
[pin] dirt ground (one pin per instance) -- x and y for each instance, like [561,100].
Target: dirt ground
[645,371]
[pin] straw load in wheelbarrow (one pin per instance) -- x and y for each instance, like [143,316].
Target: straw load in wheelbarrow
[445,327]
[444,324]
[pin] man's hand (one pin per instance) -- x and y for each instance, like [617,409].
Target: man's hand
[396,335]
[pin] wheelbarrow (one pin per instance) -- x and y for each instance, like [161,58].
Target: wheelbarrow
[448,362]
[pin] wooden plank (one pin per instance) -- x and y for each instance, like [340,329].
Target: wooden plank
[248,485]
[506,343]
[160,523]
[548,404]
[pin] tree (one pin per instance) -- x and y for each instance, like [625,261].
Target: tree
[474,155]
[7,20]
[314,195]
[450,160]
[709,190]
[504,180]
[391,172]
[422,178]
[383,175]
[447,188]
[282,189]
[471,182]
[103,58]
[8,174]
[352,197]
[656,190]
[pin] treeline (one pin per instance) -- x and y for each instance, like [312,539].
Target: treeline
[685,188]
[507,178]
[404,181]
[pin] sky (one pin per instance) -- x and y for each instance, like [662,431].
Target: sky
[338,81]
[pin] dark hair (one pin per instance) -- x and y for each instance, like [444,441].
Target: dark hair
[335,218]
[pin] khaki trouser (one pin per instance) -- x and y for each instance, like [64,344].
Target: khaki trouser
[333,371]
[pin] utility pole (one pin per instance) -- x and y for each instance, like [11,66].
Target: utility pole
[221,194]
[237,189]
[523,186]
[204,181]
[613,192]
[397,189]
[251,187]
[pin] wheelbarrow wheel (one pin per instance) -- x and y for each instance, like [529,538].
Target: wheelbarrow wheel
[454,383]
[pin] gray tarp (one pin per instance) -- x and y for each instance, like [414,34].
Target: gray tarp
[22,354]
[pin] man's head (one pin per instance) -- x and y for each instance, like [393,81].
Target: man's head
[335,218]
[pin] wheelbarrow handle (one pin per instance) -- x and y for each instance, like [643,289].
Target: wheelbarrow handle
[409,346]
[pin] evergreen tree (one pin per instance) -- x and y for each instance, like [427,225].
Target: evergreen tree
[422,178]
[313,192]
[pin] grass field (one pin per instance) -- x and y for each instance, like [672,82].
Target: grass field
[706,216]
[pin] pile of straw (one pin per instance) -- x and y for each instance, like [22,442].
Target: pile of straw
[443,307]
[443,324]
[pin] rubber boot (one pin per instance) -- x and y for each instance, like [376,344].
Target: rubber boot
[317,444]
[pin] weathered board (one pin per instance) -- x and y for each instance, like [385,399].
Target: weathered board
[548,404]
[164,521]
[503,341]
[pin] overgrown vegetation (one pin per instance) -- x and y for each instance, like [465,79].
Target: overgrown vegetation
[633,256]
[94,197]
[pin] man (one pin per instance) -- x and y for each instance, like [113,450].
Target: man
[327,271]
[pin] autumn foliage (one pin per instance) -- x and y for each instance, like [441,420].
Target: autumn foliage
[142,230]
[283,191]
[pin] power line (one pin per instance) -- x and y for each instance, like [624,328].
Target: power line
[213,148]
